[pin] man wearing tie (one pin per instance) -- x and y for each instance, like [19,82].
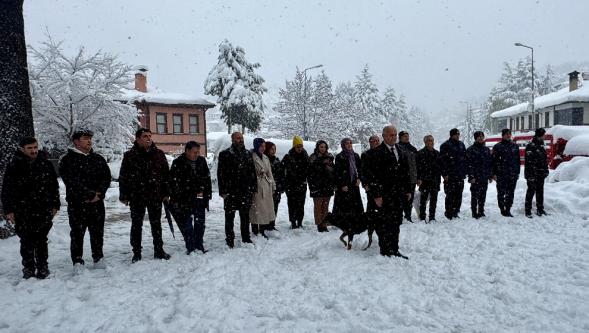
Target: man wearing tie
[389,183]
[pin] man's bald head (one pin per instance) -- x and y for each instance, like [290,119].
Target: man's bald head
[237,139]
[389,135]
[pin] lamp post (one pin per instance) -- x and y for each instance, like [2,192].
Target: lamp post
[534,122]
[305,135]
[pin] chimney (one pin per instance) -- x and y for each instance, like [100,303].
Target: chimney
[573,80]
[141,78]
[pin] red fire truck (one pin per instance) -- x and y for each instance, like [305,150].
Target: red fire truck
[522,139]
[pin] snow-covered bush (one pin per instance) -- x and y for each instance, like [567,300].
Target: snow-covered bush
[575,170]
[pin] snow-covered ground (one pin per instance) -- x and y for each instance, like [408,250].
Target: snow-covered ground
[491,275]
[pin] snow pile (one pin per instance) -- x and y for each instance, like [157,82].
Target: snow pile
[219,141]
[556,98]
[490,275]
[567,132]
[575,170]
[578,145]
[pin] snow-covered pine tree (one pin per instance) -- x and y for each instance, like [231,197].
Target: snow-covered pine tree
[290,108]
[71,93]
[323,116]
[369,111]
[239,89]
[16,119]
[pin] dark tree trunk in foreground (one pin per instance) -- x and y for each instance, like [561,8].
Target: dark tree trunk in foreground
[16,116]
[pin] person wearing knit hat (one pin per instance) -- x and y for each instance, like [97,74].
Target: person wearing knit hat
[535,171]
[262,210]
[296,168]
[296,141]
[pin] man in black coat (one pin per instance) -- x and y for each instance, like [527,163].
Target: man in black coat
[373,141]
[453,167]
[428,177]
[237,179]
[410,151]
[87,177]
[30,198]
[506,167]
[479,166]
[143,185]
[389,183]
[190,192]
[536,170]
[296,169]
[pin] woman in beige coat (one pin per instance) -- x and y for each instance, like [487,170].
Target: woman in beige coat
[262,211]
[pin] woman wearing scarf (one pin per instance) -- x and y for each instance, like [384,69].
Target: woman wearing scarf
[321,182]
[262,211]
[347,200]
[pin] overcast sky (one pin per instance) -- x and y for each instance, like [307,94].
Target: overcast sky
[435,52]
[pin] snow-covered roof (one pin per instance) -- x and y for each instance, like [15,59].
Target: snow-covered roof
[162,98]
[556,98]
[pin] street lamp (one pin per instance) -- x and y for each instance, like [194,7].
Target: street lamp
[534,122]
[305,135]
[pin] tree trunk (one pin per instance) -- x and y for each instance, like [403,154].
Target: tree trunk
[16,115]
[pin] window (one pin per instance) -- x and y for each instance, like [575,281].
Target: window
[530,125]
[511,124]
[178,128]
[193,123]
[547,119]
[536,121]
[572,116]
[162,123]
[521,122]
[517,123]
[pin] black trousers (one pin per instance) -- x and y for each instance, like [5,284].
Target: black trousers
[453,189]
[244,223]
[86,216]
[33,242]
[408,204]
[154,210]
[388,224]
[478,195]
[276,196]
[432,194]
[505,192]
[296,207]
[535,187]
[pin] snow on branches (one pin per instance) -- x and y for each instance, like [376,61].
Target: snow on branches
[238,88]
[78,92]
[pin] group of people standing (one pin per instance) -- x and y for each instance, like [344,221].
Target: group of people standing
[252,183]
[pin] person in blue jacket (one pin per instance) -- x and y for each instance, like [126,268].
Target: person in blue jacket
[506,168]
[479,166]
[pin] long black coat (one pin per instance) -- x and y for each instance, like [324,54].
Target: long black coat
[30,189]
[84,175]
[349,202]
[296,170]
[453,159]
[144,175]
[479,163]
[278,173]
[410,152]
[321,175]
[388,178]
[186,182]
[236,175]
[506,161]
[428,169]
[536,165]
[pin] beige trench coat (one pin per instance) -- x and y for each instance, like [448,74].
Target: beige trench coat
[262,211]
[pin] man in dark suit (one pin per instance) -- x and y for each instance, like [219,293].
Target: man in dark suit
[389,183]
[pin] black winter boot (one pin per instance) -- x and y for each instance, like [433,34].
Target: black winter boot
[42,273]
[136,257]
[230,242]
[161,254]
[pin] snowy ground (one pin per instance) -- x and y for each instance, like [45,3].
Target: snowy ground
[492,275]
